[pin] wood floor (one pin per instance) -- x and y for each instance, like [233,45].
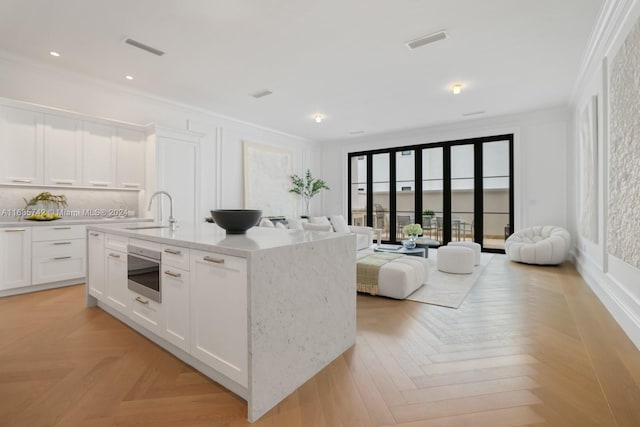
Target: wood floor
[531,346]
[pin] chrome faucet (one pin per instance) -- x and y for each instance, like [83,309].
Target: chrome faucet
[172,220]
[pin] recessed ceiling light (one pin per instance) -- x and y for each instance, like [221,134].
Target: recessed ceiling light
[128,77]
[54,53]
[318,118]
[456,88]
[261,93]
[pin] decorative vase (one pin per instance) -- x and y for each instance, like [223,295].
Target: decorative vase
[411,242]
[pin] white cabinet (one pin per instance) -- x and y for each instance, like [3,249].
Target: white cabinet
[219,313]
[175,283]
[62,150]
[95,265]
[130,158]
[99,155]
[58,253]
[118,294]
[147,313]
[15,257]
[21,146]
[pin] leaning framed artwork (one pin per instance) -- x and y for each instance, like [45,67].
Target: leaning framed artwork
[266,179]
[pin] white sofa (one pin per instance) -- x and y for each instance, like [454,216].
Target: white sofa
[542,245]
[337,223]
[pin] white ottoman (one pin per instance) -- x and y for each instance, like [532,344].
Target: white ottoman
[401,276]
[471,245]
[455,259]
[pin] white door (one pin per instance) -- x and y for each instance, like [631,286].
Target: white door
[130,161]
[21,146]
[62,151]
[178,172]
[95,265]
[15,257]
[219,332]
[99,146]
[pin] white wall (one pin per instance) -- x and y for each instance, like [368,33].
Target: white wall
[540,150]
[615,282]
[222,172]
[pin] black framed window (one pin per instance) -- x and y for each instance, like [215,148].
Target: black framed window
[457,190]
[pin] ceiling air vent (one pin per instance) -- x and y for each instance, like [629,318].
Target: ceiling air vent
[473,113]
[425,40]
[143,46]
[261,93]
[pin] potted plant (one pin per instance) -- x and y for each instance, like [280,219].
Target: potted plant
[306,188]
[45,200]
[428,212]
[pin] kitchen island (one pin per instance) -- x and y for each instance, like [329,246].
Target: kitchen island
[259,313]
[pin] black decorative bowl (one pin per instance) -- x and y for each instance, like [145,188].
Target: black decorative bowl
[236,221]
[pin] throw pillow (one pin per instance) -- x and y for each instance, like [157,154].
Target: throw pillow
[340,224]
[266,222]
[296,223]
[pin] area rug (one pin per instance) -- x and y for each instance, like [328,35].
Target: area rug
[446,289]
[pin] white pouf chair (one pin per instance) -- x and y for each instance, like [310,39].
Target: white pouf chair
[475,247]
[541,245]
[455,259]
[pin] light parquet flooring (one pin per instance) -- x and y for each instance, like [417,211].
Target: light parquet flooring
[531,346]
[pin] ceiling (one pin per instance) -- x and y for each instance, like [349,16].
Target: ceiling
[344,59]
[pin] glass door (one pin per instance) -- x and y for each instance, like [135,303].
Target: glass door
[496,194]
[462,192]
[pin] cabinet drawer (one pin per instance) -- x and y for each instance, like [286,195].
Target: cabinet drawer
[146,312]
[48,269]
[62,232]
[175,256]
[59,248]
[117,243]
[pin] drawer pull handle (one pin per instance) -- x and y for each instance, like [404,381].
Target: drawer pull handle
[25,180]
[114,255]
[216,260]
[63,182]
[12,230]
[172,251]
[62,243]
[62,257]
[172,274]
[99,184]
[62,228]
[130,185]
[94,234]
[141,301]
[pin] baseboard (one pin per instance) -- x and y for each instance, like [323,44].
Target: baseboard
[42,287]
[622,306]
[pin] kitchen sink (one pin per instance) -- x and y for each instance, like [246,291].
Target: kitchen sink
[147,227]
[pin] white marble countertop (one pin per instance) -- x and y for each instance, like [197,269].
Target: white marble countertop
[63,221]
[210,237]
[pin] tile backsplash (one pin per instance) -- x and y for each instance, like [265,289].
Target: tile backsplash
[82,203]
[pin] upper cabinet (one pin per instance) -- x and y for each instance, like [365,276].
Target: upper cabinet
[99,155]
[21,146]
[130,158]
[43,146]
[62,150]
